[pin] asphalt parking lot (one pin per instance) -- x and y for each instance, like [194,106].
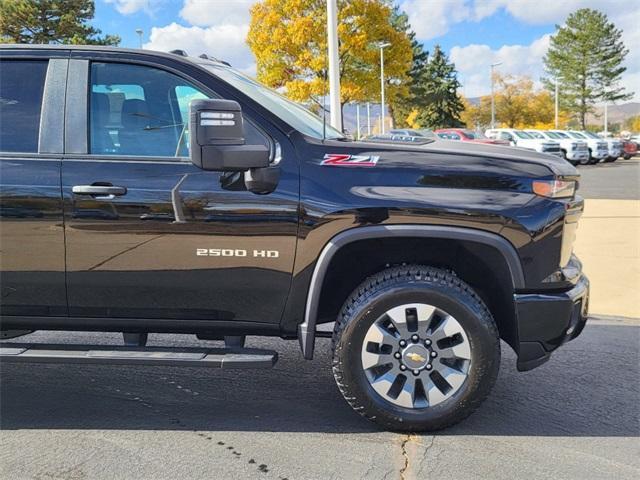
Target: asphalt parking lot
[576,417]
[619,180]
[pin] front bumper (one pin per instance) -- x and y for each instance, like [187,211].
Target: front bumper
[600,154]
[577,154]
[548,320]
[615,152]
[555,153]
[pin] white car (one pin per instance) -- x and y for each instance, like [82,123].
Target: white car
[598,148]
[574,151]
[522,139]
[614,145]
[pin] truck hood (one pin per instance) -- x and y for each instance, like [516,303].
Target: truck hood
[440,157]
[555,165]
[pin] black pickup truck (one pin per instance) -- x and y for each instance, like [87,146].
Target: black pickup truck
[155,192]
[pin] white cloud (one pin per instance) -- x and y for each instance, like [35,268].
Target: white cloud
[205,13]
[431,19]
[226,42]
[217,27]
[473,62]
[128,7]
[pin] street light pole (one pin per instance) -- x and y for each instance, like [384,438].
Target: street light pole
[357,121]
[334,64]
[368,119]
[556,103]
[382,115]
[140,32]
[493,103]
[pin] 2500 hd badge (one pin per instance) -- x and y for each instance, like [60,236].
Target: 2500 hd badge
[230,252]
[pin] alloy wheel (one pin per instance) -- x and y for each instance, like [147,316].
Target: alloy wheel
[416,355]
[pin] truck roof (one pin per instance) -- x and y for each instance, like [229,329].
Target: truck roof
[203,59]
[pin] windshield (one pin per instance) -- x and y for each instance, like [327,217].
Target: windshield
[522,134]
[536,135]
[591,135]
[562,135]
[553,135]
[290,112]
[576,135]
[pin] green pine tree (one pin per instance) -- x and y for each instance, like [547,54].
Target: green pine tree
[443,105]
[51,21]
[416,97]
[586,56]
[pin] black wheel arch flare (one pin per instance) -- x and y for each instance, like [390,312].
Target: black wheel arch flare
[307,329]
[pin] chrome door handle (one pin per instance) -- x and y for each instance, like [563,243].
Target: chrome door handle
[99,190]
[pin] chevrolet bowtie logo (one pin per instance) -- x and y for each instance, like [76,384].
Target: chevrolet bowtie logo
[416,357]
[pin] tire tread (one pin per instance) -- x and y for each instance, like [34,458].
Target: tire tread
[399,275]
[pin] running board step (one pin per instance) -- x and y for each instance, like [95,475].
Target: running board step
[123,355]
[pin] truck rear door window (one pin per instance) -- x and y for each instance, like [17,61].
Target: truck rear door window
[21,89]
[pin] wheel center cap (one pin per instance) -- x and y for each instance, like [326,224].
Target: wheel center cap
[415,356]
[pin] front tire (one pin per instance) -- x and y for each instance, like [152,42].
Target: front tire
[415,349]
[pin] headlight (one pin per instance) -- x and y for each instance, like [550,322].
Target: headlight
[554,188]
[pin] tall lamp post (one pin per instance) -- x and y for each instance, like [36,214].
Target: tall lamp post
[334,64]
[493,102]
[382,46]
[606,116]
[140,32]
[556,104]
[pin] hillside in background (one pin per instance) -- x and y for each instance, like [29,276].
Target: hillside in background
[616,113]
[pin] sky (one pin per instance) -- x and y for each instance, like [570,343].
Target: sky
[474,33]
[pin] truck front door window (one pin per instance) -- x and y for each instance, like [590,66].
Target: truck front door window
[138,110]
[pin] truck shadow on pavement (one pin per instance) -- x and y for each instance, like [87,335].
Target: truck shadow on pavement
[589,388]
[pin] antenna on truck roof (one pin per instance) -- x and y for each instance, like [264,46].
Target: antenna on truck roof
[214,59]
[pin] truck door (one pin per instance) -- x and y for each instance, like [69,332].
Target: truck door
[148,234]
[32,277]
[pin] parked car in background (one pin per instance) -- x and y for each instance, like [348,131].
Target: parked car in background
[403,135]
[426,132]
[522,139]
[412,132]
[573,150]
[614,145]
[409,132]
[397,138]
[466,135]
[629,149]
[598,149]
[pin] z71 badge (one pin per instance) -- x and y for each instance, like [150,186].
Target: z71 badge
[343,160]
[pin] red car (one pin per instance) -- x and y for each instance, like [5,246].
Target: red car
[466,135]
[629,149]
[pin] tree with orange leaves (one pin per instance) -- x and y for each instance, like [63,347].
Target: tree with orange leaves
[289,41]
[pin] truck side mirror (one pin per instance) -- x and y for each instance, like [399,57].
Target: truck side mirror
[217,138]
